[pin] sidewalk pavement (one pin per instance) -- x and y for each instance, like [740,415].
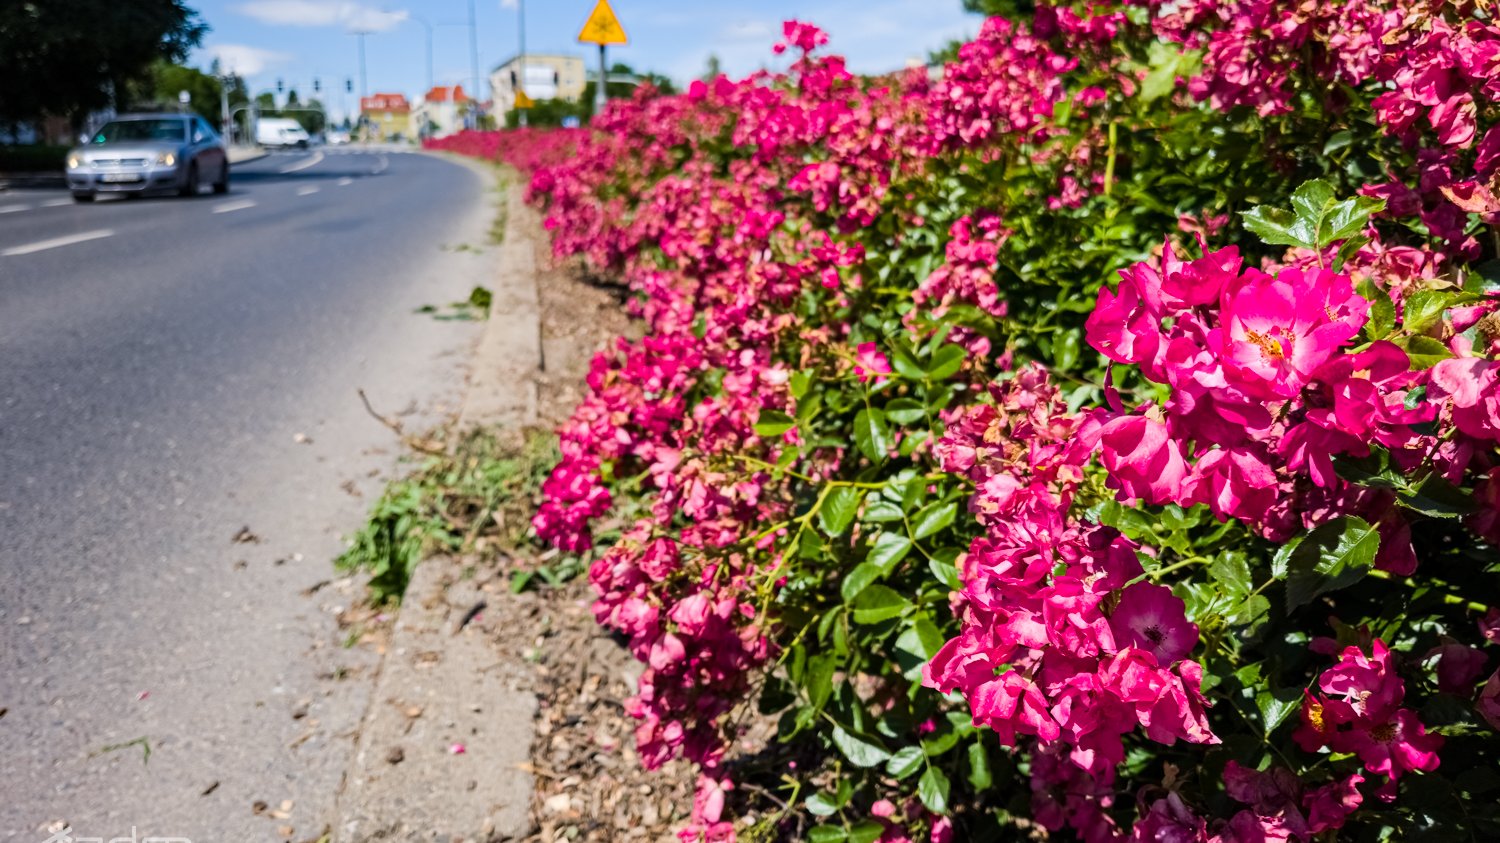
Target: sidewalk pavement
[244,154]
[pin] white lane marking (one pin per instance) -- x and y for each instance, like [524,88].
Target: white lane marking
[234,206]
[56,203]
[302,165]
[11,209]
[56,242]
[345,182]
[306,191]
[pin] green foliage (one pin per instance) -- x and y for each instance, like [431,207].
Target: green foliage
[65,58]
[475,495]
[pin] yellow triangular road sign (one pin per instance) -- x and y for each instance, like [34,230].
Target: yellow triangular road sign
[603,27]
[523,101]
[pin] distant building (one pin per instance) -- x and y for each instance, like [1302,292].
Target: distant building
[441,111]
[387,117]
[548,76]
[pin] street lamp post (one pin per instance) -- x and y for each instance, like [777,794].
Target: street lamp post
[473,51]
[428,26]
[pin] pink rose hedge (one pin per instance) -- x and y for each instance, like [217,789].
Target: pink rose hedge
[1095,433]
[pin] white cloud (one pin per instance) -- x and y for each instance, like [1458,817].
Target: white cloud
[749,30]
[243,60]
[351,16]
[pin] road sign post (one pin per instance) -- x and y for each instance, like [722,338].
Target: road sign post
[602,28]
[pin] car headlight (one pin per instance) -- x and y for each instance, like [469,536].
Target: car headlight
[74,162]
[166,159]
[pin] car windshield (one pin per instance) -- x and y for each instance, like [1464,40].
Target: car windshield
[128,131]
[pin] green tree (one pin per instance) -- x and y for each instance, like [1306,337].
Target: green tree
[1013,9]
[712,68]
[160,87]
[68,57]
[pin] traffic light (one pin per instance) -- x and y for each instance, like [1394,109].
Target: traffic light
[513,78]
[280,86]
[349,86]
[317,85]
[556,79]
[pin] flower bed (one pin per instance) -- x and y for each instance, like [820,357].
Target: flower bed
[1098,433]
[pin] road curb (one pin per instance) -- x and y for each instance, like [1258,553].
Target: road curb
[508,357]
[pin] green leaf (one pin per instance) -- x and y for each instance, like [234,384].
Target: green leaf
[1277,227]
[1275,707]
[906,761]
[905,365]
[838,509]
[1425,352]
[827,834]
[933,790]
[871,435]
[1382,311]
[1333,556]
[1423,309]
[1437,497]
[878,603]
[945,572]
[861,750]
[800,381]
[821,805]
[905,411]
[1162,77]
[773,423]
[1337,141]
[818,681]
[1231,574]
[946,361]
[1347,218]
[1312,198]
[880,511]
[933,518]
[980,775]
[865,831]
[888,551]
[856,580]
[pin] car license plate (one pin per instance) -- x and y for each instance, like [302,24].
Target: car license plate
[119,177]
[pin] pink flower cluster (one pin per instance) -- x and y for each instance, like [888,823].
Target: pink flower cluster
[1074,659]
[1267,389]
[1359,711]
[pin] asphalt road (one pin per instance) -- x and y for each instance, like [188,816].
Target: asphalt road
[172,370]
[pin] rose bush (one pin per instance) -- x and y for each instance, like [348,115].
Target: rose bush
[1094,433]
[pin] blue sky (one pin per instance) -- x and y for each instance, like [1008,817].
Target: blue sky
[299,40]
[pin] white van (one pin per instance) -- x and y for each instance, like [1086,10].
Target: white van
[280,132]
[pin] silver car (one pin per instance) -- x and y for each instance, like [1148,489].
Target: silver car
[136,154]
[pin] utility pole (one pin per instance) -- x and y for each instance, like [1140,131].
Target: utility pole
[474,60]
[521,84]
[224,126]
[601,95]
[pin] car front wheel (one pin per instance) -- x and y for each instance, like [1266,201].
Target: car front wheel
[222,184]
[190,186]
[83,196]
